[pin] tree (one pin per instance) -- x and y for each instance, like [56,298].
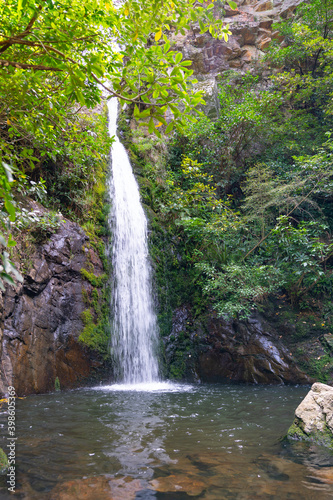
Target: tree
[74,44]
[58,56]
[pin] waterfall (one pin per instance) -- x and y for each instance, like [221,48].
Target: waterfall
[135,331]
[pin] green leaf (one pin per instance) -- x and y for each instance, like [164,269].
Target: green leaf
[186,63]
[7,278]
[79,96]
[169,127]
[151,126]
[178,57]
[145,113]
[10,210]
[136,112]
[232,5]
[166,47]
[11,242]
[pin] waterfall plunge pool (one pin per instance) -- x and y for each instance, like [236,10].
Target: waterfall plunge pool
[165,441]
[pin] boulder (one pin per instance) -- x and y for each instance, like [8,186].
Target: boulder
[314,416]
[247,351]
[263,42]
[223,350]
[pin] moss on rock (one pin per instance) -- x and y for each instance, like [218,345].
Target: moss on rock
[3,462]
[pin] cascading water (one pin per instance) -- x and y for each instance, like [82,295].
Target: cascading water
[135,330]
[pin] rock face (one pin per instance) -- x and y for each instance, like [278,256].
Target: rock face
[242,351]
[314,416]
[251,27]
[247,352]
[41,319]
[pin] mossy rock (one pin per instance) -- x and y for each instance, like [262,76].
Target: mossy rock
[328,340]
[297,433]
[3,462]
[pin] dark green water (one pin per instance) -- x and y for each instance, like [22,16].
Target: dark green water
[206,441]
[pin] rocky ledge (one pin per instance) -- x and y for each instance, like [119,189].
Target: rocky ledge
[252,28]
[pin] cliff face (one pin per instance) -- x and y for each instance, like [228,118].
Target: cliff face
[252,32]
[251,27]
[42,317]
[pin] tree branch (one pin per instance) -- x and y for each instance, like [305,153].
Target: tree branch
[25,32]
[35,67]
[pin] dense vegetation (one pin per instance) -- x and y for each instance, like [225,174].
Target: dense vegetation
[244,202]
[240,206]
[56,60]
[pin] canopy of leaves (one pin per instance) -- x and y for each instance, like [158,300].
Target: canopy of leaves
[58,58]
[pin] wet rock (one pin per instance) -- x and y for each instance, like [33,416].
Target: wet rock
[288,7]
[246,352]
[263,42]
[41,319]
[99,488]
[264,5]
[190,485]
[314,416]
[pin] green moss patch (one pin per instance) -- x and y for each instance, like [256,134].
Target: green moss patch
[323,438]
[3,462]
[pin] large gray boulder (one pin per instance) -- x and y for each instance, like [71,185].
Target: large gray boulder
[314,416]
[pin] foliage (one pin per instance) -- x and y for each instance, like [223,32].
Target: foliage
[300,253]
[7,215]
[96,316]
[236,289]
[67,49]
[96,281]
[248,112]
[245,198]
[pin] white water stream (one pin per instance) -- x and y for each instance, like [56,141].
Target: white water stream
[135,331]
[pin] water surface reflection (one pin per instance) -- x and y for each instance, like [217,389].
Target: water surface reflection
[167,442]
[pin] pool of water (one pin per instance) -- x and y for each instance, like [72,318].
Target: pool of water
[165,442]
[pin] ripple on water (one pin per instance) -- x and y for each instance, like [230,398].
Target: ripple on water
[167,441]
